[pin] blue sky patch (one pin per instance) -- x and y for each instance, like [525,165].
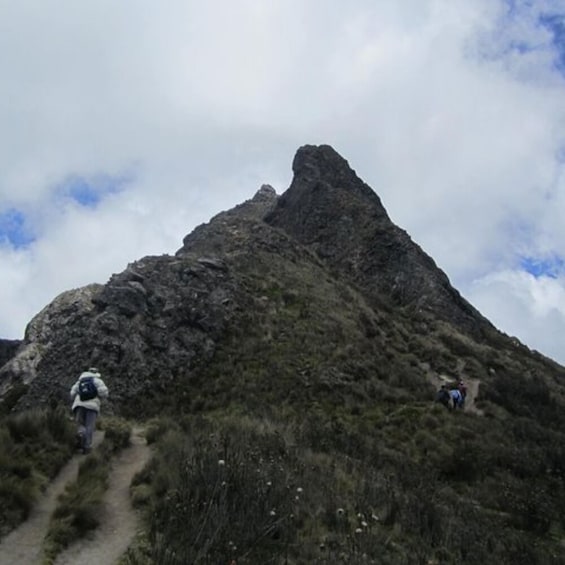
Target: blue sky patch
[82,193]
[14,230]
[89,192]
[549,267]
[555,24]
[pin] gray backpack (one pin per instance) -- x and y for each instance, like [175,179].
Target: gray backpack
[87,389]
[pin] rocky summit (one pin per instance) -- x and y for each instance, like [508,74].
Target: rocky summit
[313,312]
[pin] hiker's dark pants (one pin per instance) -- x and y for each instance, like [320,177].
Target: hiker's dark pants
[86,420]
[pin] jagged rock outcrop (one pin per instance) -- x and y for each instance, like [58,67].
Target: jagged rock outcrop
[157,319]
[232,232]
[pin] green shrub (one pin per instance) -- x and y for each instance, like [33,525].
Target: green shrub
[157,427]
[117,432]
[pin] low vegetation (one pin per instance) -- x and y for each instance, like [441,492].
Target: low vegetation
[311,436]
[410,484]
[34,445]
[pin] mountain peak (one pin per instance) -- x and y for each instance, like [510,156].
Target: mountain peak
[323,164]
[319,161]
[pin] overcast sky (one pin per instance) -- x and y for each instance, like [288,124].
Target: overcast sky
[123,125]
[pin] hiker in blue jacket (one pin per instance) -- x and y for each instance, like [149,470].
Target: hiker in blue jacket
[456,398]
[85,395]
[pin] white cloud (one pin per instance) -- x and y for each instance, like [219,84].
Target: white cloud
[530,308]
[451,110]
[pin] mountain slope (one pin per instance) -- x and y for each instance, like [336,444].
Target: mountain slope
[313,321]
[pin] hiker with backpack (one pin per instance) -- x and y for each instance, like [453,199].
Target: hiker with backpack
[85,395]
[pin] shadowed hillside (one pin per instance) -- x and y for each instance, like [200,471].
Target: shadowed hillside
[300,339]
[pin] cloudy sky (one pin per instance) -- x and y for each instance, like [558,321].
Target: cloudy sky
[123,125]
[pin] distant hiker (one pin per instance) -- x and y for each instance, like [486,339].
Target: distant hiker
[462,388]
[442,396]
[86,394]
[456,398]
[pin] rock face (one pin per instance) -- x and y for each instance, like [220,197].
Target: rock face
[152,324]
[69,310]
[315,288]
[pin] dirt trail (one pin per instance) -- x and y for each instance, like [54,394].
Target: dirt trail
[119,522]
[472,393]
[22,546]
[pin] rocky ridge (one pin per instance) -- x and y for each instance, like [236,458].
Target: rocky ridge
[160,324]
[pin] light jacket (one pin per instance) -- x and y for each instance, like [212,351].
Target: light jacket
[456,396]
[94,403]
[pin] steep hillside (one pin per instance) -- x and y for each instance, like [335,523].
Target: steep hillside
[308,330]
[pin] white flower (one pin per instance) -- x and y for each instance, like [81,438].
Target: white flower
[364,524]
[269,483]
[272,513]
[299,489]
[221,462]
[340,512]
[358,531]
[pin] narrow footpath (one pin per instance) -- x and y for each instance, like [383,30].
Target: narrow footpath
[120,521]
[119,524]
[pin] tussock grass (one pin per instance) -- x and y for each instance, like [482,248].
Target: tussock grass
[34,445]
[394,484]
[117,433]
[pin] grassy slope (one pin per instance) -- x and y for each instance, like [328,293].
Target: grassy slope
[314,390]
